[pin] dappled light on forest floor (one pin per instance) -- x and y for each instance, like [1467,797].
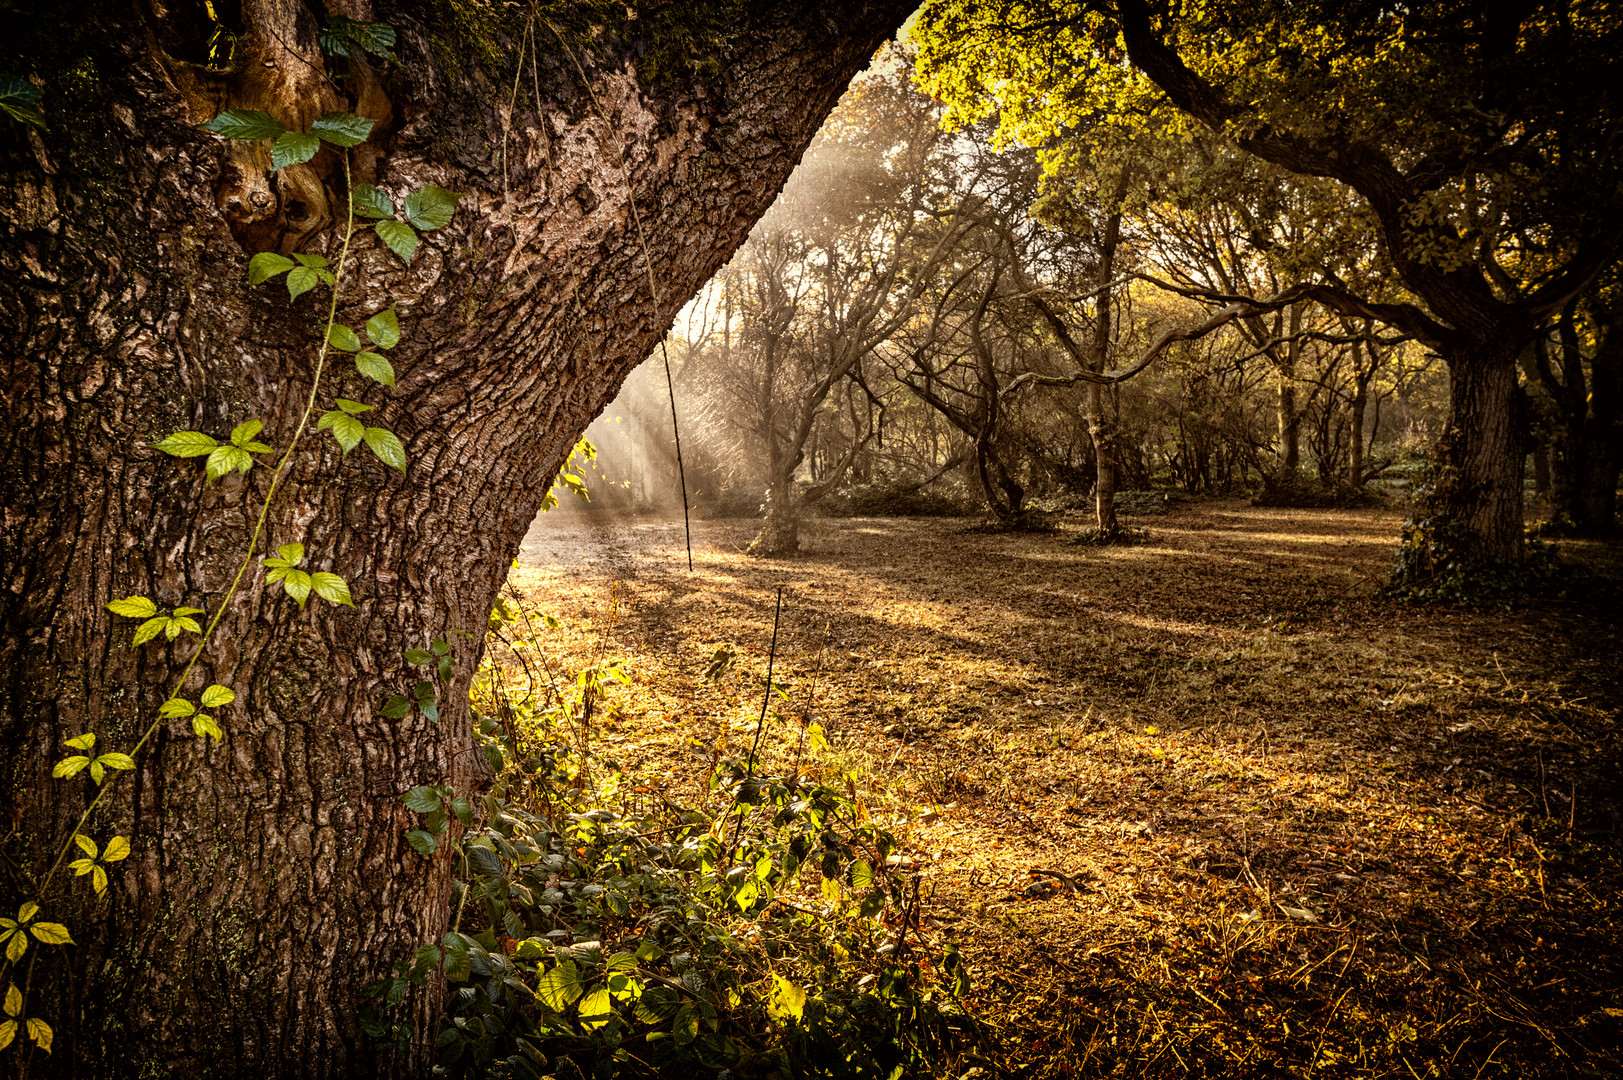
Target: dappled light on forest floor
[1207,806]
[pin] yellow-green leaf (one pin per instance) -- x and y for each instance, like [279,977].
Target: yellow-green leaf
[133,607]
[51,933]
[149,630]
[14,1001]
[117,848]
[98,878]
[86,845]
[117,761]
[40,1032]
[8,1032]
[82,742]
[70,766]
[217,695]
[16,946]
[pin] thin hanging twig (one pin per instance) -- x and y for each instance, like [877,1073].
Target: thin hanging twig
[760,724]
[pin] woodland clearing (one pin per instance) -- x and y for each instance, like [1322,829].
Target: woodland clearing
[1204,805]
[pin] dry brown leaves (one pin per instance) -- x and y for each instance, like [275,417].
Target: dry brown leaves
[1201,806]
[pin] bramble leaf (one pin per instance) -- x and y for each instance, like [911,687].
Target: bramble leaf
[266,265]
[245,431]
[331,588]
[384,329]
[85,844]
[40,1032]
[296,583]
[133,607]
[395,708]
[227,459]
[342,337]
[14,1000]
[203,724]
[117,761]
[387,447]
[179,623]
[422,800]
[186,444]
[82,742]
[419,656]
[149,630]
[560,987]
[341,129]
[70,766]
[345,428]
[217,695]
[311,260]
[51,933]
[370,202]
[423,843]
[431,207]
[375,367]
[400,238]
[300,280]
[245,124]
[354,408]
[117,848]
[176,706]
[293,553]
[293,148]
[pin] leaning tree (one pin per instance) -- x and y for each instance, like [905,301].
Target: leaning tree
[608,159]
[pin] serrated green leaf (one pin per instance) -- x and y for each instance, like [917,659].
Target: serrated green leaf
[345,428]
[375,367]
[396,707]
[300,280]
[203,724]
[117,848]
[216,695]
[354,408]
[133,607]
[293,553]
[70,766]
[341,129]
[81,742]
[596,1003]
[227,459]
[98,771]
[117,761]
[400,238]
[188,611]
[387,447]
[331,588]
[342,337]
[423,843]
[310,260]
[463,810]
[431,711]
[179,623]
[51,933]
[266,265]
[422,800]
[245,124]
[326,277]
[384,329]
[431,207]
[369,202]
[293,148]
[418,656]
[245,431]
[296,583]
[186,444]
[85,844]
[561,987]
[149,630]
[176,706]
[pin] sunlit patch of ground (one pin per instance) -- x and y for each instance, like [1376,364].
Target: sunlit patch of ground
[1205,806]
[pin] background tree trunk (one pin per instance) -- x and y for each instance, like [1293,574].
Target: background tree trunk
[270,879]
[1479,489]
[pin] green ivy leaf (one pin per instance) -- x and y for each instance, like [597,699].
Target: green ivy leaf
[331,588]
[431,207]
[293,148]
[384,329]
[396,707]
[217,695]
[245,124]
[300,280]
[400,237]
[19,98]
[266,265]
[227,459]
[133,607]
[375,367]
[341,129]
[369,202]
[186,444]
[387,447]
[342,337]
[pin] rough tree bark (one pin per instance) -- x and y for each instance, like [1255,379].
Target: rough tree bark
[270,879]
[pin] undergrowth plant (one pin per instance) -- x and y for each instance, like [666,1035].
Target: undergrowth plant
[762,928]
[204,712]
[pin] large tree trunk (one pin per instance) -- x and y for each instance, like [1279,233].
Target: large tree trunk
[270,879]
[1478,495]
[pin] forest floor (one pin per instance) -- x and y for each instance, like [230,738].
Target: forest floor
[1205,805]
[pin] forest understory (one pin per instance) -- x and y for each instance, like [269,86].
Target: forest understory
[1205,805]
